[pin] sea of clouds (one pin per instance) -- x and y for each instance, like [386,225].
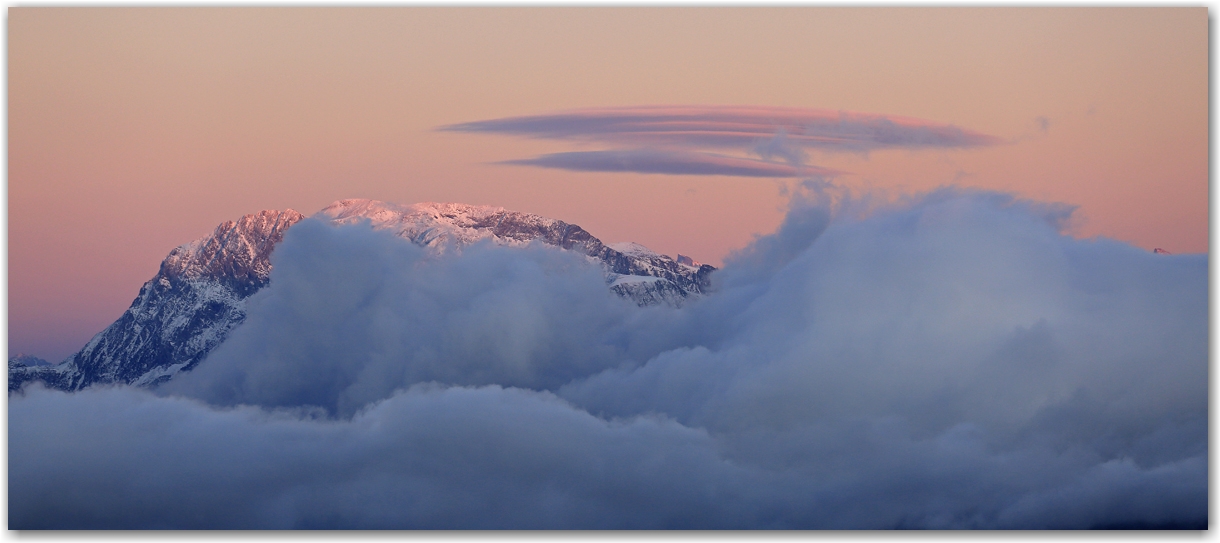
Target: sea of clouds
[946,360]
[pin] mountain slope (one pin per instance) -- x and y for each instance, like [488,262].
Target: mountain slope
[449,227]
[181,314]
[198,296]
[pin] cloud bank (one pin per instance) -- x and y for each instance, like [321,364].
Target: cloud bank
[945,361]
[664,139]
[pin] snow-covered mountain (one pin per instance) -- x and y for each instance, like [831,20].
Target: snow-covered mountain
[21,359]
[29,367]
[198,296]
[632,270]
[182,313]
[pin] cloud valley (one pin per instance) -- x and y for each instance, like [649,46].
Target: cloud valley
[946,360]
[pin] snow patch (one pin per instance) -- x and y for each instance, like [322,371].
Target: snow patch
[633,249]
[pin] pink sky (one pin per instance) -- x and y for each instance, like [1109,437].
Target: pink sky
[132,131]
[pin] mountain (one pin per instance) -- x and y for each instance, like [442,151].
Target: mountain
[181,314]
[632,271]
[199,294]
[27,365]
[20,359]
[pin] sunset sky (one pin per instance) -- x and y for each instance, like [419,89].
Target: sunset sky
[132,131]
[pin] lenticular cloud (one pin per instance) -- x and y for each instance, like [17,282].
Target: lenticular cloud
[734,127]
[670,162]
[948,361]
[667,139]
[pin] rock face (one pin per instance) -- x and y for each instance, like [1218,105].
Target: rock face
[30,367]
[181,314]
[632,270]
[27,360]
[199,295]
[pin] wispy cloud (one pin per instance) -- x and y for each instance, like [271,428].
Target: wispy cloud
[1044,123]
[669,139]
[672,162]
[734,127]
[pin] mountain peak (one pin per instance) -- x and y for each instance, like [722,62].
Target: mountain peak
[378,211]
[238,249]
[199,295]
[632,248]
[451,226]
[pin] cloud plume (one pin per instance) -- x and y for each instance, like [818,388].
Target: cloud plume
[947,360]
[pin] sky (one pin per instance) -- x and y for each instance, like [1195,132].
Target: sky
[937,304]
[134,130]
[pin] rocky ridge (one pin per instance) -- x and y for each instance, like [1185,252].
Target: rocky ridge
[632,270]
[181,314]
[198,296]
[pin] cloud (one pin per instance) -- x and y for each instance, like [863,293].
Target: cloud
[780,146]
[427,457]
[945,360]
[1044,123]
[670,162]
[671,139]
[735,127]
[356,314]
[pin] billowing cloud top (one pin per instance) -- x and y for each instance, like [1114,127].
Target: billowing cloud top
[670,133]
[734,127]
